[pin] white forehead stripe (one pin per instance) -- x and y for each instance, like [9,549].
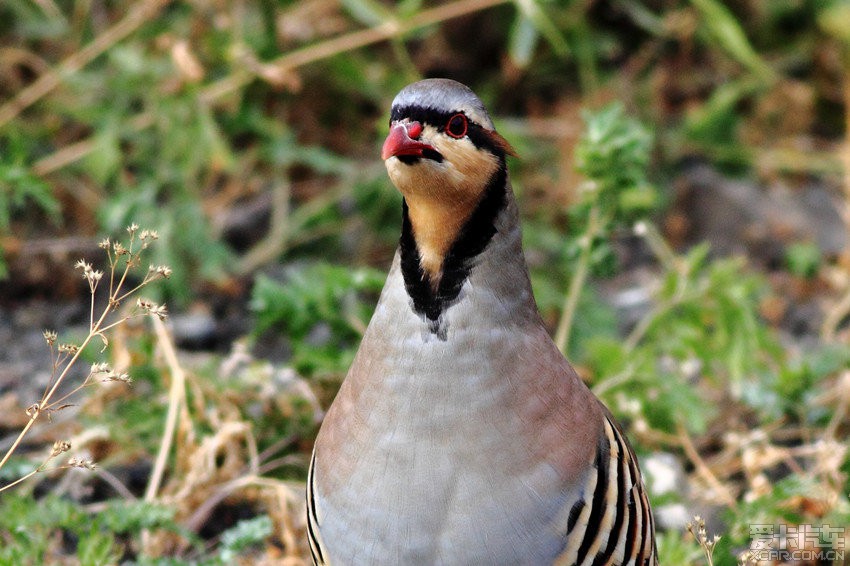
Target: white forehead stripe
[445,95]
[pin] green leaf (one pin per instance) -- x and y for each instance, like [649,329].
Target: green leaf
[522,41]
[803,259]
[716,121]
[321,309]
[98,549]
[19,186]
[243,535]
[722,25]
[613,154]
[835,20]
[534,13]
[105,160]
[367,12]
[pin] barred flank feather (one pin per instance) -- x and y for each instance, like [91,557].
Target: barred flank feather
[612,524]
[316,547]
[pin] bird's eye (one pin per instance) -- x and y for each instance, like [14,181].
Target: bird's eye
[456,126]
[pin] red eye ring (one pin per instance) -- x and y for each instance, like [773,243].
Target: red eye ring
[457,126]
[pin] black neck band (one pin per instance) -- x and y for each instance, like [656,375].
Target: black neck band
[459,261]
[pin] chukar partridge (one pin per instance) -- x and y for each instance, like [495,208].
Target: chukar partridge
[461,435]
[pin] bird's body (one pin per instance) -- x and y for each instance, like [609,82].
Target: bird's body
[461,435]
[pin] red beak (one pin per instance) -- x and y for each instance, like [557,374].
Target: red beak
[402,140]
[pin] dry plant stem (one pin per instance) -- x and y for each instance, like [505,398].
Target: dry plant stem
[615,380]
[96,328]
[846,145]
[76,151]
[837,313]
[199,517]
[840,413]
[51,9]
[351,41]
[47,82]
[702,468]
[243,76]
[276,242]
[670,262]
[834,317]
[44,401]
[176,398]
[562,335]
[21,479]
[115,483]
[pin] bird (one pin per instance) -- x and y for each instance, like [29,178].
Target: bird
[461,434]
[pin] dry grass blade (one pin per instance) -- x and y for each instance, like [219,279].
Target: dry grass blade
[176,400]
[241,77]
[351,41]
[50,80]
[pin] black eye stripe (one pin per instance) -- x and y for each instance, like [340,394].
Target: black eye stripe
[426,116]
[439,119]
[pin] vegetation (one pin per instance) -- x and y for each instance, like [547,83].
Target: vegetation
[245,137]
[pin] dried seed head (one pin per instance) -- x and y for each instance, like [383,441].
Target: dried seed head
[132,228]
[49,337]
[68,348]
[85,463]
[101,367]
[151,307]
[161,311]
[104,244]
[119,249]
[113,376]
[160,270]
[93,277]
[59,447]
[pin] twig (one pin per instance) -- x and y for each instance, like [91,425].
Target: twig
[562,335]
[50,8]
[176,398]
[276,241]
[200,515]
[846,153]
[664,254]
[834,316]
[73,63]
[76,151]
[43,405]
[349,42]
[702,468]
[66,355]
[115,483]
[841,410]
[284,63]
[837,313]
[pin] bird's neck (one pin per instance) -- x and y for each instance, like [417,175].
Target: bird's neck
[436,224]
[488,239]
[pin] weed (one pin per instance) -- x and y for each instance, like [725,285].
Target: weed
[123,260]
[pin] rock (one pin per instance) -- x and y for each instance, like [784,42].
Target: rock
[194,330]
[742,217]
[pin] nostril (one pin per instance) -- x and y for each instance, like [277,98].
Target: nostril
[414,130]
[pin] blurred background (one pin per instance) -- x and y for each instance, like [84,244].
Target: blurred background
[683,175]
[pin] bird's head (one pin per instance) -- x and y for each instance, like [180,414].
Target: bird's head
[442,153]
[442,142]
